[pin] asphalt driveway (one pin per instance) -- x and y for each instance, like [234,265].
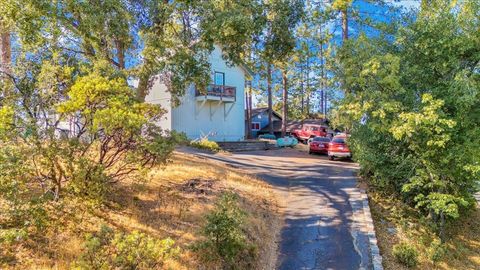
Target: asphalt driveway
[324,218]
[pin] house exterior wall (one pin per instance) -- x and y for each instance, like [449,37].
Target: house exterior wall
[160,96]
[218,120]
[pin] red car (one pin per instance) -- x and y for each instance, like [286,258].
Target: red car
[338,148]
[309,131]
[318,145]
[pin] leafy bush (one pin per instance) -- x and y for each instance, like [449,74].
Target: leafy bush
[72,135]
[205,144]
[406,254]
[225,240]
[109,250]
[9,236]
[436,251]
[267,137]
[415,131]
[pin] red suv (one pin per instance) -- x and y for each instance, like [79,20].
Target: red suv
[318,145]
[338,148]
[309,131]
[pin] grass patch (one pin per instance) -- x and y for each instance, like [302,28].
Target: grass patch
[396,223]
[172,203]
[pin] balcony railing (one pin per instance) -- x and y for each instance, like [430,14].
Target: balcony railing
[218,91]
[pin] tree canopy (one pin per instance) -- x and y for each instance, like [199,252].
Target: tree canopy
[412,105]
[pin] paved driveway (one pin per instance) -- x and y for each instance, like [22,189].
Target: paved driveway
[324,219]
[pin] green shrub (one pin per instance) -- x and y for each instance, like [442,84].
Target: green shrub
[406,254]
[10,236]
[225,240]
[205,144]
[436,251]
[109,250]
[267,136]
[90,182]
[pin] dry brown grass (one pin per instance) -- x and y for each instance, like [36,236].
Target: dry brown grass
[163,206]
[462,246]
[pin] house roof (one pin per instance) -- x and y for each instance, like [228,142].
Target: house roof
[257,111]
[247,70]
[277,127]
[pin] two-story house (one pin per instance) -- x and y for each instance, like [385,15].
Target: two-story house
[217,114]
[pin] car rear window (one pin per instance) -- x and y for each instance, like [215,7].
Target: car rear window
[338,140]
[321,139]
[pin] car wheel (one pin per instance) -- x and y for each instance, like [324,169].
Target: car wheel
[331,157]
[309,152]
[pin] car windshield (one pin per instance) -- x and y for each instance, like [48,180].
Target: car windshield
[338,140]
[321,139]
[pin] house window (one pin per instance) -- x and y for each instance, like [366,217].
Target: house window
[219,78]
[255,126]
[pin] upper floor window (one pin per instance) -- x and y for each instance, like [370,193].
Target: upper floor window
[219,78]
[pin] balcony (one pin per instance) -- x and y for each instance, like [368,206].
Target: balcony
[217,92]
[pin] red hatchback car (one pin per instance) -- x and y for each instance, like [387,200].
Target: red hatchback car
[338,148]
[319,145]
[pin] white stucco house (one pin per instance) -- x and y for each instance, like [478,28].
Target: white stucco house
[218,114]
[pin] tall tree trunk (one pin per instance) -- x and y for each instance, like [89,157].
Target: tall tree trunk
[285,103]
[250,116]
[344,31]
[322,75]
[442,227]
[302,94]
[248,125]
[142,88]
[326,100]
[308,87]
[5,59]
[120,53]
[345,24]
[248,102]
[5,50]
[321,102]
[270,105]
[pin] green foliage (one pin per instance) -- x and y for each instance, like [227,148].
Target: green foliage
[10,236]
[412,106]
[342,4]
[225,240]
[89,182]
[205,144]
[109,250]
[436,251]
[406,254]
[267,136]
[281,19]
[6,120]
